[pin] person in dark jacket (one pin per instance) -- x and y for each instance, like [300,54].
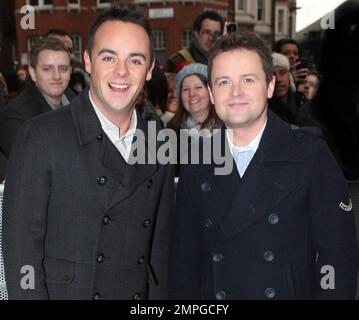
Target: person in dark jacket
[45,90]
[280,225]
[286,101]
[89,221]
[207,27]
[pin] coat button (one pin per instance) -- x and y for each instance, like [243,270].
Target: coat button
[206,187]
[106,220]
[208,224]
[146,223]
[273,218]
[101,180]
[149,183]
[269,293]
[268,256]
[217,257]
[100,258]
[97,296]
[141,260]
[220,295]
[137,296]
[99,137]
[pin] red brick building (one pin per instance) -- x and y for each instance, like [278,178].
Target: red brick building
[171,20]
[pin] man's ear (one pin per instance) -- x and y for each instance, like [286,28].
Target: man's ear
[32,73]
[87,61]
[149,72]
[195,34]
[210,95]
[270,89]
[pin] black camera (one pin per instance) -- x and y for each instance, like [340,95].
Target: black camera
[231,27]
[303,63]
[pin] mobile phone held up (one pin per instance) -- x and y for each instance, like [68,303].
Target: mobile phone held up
[231,27]
[303,63]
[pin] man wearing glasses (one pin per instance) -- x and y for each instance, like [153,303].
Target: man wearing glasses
[207,27]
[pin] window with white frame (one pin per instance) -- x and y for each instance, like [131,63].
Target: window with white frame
[159,39]
[103,3]
[280,21]
[73,3]
[31,42]
[186,38]
[76,40]
[40,3]
[260,10]
[240,5]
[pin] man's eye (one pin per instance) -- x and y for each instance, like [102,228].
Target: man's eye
[64,68]
[248,80]
[107,59]
[223,83]
[136,61]
[46,69]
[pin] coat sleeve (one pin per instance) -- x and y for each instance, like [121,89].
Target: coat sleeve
[333,225]
[158,289]
[184,275]
[26,195]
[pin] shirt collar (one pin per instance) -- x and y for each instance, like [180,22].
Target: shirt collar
[253,145]
[110,128]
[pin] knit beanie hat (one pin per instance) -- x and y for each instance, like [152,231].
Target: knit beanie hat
[280,60]
[187,71]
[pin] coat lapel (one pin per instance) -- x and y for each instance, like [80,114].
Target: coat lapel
[263,186]
[130,176]
[88,128]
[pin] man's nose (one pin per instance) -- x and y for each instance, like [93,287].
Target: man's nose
[121,68]
[237,89]
[56,73]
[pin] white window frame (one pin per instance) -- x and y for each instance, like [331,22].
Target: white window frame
[241,10]
[159,38]
[77,41]
[73,5]
[263,10]
[284,31]
[186,38]
[40,5]
[103,5]
[31,41]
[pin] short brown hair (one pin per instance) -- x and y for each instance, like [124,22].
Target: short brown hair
[242,40]
[46,44]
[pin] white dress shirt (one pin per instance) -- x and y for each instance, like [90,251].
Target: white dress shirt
[124,143]
[252,146]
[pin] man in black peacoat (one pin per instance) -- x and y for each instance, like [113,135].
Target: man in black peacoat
[285,229]
[79,221]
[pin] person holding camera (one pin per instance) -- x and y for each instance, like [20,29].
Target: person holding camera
[291,49]
[207,27]
[286,101]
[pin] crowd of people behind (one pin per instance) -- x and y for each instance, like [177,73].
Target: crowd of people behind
[188,92]
[295,97]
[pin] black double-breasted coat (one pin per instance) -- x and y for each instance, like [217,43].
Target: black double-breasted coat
[90,225]
[285,230]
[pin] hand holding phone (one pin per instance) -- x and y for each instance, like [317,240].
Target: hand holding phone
[231,27]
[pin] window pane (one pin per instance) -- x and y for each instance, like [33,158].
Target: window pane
[48,2]
[159,39]
[34,2]
[240,5]
[260,9]
[76,39]
[280,20]
[186,38]
[73,1]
